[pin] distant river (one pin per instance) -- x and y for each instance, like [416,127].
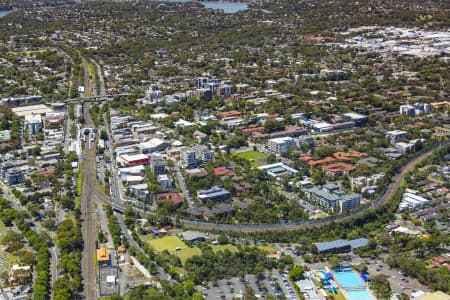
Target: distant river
[4,12]
[227,7]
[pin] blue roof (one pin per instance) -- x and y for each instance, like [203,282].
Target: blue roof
[358,243]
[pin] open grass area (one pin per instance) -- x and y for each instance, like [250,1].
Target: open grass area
[338,296]
[252,157]
[187,253]
[169,243]
[267,249]
[217,248]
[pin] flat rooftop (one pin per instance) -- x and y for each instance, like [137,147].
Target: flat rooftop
[30,110]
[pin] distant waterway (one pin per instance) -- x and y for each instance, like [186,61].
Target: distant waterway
[5,12]
[227,7]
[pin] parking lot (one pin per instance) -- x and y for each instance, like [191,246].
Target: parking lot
[108,288]
[267,283]
[399,283]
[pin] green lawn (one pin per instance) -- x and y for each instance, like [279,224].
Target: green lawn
[187,253]
[217,248]
[252,157]
[267,249]
[338,296]
[169,243]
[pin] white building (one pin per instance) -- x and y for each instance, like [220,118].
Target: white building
[395,135]
[34,123]
[187,157]
[280,145]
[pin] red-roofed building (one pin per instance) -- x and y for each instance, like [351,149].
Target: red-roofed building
[338,169]
[324,161]
[250,130]
[347,156]
[173,197]
[221,171]
[228,114]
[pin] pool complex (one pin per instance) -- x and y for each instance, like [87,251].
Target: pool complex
[349,280]
[353,286]
[359,295]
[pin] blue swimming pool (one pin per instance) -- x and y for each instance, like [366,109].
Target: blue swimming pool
[348,279]
[359,295]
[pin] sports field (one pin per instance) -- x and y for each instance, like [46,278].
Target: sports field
[169,243]
[187,253]
[252,157]
[217,248]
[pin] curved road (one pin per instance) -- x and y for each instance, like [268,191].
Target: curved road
[387,196]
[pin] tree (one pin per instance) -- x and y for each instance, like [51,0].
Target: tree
[103,135]
[381,287]
[222,239]
[296,273]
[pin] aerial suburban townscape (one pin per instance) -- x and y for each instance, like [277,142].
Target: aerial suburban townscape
[259,149]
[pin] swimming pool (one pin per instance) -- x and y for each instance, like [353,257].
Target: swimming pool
[359,295]
[348,279]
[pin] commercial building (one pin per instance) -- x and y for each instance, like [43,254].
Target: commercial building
[395,135]
[33,123]
[133,160]
[103,256]
[278,169]
[415,109]
[191,157]
[157,164]
[330,196]
[13,176]
[214,194]
[280,145]
[165,181]
[341,246]
[187,157]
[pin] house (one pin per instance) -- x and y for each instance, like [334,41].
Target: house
[18,273]
[222,210]
[214,194]
[242,187]
[338,169]
[173,197]
[103,256]
[200,137]
[223,171]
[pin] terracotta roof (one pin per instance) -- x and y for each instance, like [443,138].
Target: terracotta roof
[338,167]
[219,171]
[175,198]
[102,254]
[326,160]
[233,113]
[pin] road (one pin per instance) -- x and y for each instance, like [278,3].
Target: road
[38,228]
[182,186]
